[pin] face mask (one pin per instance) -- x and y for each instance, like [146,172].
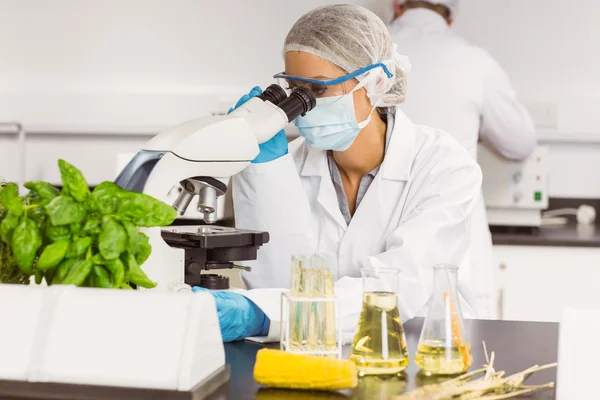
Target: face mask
[331,125]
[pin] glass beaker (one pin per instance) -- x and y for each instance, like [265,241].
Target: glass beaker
[379,346]
[444,348]
[309,310]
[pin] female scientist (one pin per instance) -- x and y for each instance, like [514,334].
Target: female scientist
[363,184]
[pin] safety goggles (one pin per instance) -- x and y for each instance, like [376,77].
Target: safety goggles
[325,87]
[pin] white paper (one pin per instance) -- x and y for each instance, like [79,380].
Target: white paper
[577,354]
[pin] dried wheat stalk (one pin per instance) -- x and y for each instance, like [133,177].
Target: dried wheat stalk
[491,386]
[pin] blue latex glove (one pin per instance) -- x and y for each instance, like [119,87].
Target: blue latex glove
[273,148]
[239,318]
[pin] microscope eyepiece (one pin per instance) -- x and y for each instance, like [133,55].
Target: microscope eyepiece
[300,101]
[273,94]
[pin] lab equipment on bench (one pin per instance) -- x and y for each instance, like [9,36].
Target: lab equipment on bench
[310,321]
[200,156]
[515,192]
[86,343]
[444,347]
[379,346]
[585,215]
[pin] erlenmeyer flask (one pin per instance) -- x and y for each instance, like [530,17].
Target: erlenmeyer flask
[444,348]
[379,346]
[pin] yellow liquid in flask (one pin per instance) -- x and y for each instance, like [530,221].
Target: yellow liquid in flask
[434,358]
[379,346]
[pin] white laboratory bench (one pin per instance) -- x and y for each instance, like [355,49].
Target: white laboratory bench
[535,282]
[539,274]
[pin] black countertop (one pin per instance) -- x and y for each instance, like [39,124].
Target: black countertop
[570,235]
[518,346]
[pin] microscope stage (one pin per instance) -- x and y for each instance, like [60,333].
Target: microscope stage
[212,237]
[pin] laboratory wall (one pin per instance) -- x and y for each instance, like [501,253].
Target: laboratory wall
[550,50]
[89,79]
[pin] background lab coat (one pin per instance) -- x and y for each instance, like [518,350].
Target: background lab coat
[460,89]
[415,215]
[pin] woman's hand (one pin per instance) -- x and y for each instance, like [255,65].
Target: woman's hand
[273,148]
[239,318]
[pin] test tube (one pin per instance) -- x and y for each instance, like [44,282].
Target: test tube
[326,310]
[297,308]
[329,321]
[314,291]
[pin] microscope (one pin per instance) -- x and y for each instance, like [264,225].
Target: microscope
[200,156]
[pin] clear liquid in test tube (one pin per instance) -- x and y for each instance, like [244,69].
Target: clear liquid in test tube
[329,320]
[298,312]
[326,310]
[314,291]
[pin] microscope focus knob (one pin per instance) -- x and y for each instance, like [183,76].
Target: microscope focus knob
[193,268]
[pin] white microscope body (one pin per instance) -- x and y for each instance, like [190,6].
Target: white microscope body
[214,148]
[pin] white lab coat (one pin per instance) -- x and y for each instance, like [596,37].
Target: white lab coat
[415,215]
[460,89]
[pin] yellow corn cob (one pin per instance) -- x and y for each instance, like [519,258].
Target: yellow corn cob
[279,369]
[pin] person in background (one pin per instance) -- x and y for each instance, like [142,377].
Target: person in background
[461,89]
[363,185]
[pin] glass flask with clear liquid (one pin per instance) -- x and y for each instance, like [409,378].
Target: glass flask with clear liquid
[444,347]
[379,346]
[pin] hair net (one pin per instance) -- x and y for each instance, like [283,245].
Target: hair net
[451,4]
[352,38]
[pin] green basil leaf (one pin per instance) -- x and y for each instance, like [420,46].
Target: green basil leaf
[8,225]
[112,240]
[117,270]
[26,240]
[74,183]
[75,228]
[102,277]
[105,198]
[39,276]
[52,255]
[132,232]
[92,227]
[146,211]
[63,270]
[78,273]
[142,248]
[43,189]
[56,233]
[97,259]
[78,247]
[136,275]
[63,210]
[38,215]
[9,199]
